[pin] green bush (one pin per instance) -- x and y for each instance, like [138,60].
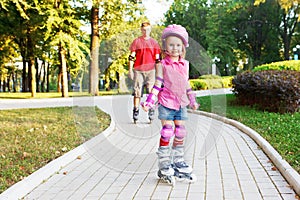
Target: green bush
[198,84]
[209,76]
[271,90]
[227,81]
[207,82]
[282,65]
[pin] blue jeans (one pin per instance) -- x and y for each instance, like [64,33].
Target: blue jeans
[165,113]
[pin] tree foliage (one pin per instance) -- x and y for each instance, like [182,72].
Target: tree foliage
[236,31]
[285,4]
[41,31]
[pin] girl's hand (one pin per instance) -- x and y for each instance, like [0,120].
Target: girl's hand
[144,106]
[149,103]
[195,106]
[193,103]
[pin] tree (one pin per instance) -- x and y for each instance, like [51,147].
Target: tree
[290,14]
[110,23]
[192,14]
[287,29]
[210,26]
[63,29]
[285,4]
[25,33]
[220,35]
[7,55]
[231,30]
[95,43]
[257,34]
[117,48]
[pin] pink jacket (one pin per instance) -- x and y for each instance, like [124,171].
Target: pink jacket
[175,75]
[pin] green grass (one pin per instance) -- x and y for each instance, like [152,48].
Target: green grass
[31,138]
[280,130]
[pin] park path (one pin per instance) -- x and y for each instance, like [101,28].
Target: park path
[120,163]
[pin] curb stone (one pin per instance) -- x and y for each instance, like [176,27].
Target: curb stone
[289,173]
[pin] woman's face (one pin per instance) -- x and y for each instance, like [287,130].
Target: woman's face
[174,46]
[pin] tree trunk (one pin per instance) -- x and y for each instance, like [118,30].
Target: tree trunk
[59,80]
[23,49]
[43,76]
[48,78]
[8,84]
[64,74]
[37,75]
[94,68]
[24,77]
[14,80]
[31,66]
[4,86]
[33,81]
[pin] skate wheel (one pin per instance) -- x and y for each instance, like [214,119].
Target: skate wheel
[192,178]
[159,174]
[168,179]
[173,181]
[180,178]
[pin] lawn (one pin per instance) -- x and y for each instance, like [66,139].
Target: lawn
[31,138]
[280,130]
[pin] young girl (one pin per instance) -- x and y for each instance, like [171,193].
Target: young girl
[174,94]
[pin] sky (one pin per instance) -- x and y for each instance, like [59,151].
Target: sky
[155,9]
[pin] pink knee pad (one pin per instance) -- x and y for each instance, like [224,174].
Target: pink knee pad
[180,131]
[167,131]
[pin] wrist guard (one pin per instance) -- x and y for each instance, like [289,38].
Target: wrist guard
[193,102]
[150,102]
[131,58]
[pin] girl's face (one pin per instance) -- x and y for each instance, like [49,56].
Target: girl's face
[174,46]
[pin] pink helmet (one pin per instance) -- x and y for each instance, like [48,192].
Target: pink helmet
[178,31]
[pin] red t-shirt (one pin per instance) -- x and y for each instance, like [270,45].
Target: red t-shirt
[145,51]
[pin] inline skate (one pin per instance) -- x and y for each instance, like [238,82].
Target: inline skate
[166,171]
[167,175]
[135,114]
[182,170]
[151,115]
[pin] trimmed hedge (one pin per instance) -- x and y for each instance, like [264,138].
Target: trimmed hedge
[271,90]
[207,82]
[282,65]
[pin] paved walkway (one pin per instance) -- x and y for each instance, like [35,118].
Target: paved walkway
[121,162]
